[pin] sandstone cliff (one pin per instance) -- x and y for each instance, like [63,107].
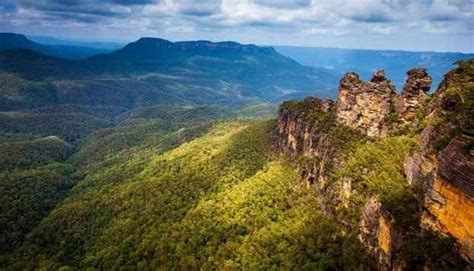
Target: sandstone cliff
[408,195]
[442,170]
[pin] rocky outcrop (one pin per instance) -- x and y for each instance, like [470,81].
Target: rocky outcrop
[411,99]
[295,134]
[442,171]
[365,106]
[375,109]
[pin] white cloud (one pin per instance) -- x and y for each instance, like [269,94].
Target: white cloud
[260,21]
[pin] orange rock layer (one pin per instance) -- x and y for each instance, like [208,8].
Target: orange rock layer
[455,215]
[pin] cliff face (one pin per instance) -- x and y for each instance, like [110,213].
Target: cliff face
[378,235]
[321,135]
[303,132]
[296,133]
[442,170]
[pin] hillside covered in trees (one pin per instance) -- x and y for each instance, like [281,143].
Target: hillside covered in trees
[176,194]
[125,162]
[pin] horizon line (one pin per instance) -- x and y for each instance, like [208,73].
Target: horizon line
[123,43]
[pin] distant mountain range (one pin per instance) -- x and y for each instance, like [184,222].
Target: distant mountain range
[365,62]
[17,41]
[153,71]
[47,40]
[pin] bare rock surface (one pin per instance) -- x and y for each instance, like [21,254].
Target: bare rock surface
[365,106]
[411,99]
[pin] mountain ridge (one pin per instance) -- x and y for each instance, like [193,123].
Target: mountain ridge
[210,73]
[18,41]
[9,41]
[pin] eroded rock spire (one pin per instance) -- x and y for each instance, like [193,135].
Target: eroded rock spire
[413,96]
[365,106]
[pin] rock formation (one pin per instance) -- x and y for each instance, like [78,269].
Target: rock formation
[411,99]
[440,172]
[365,105]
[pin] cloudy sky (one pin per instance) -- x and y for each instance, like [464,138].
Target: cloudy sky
[439,25]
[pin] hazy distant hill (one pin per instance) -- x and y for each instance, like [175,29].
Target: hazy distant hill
[17,41]
[364,62]
[154,71]
[256,71]
[47,40]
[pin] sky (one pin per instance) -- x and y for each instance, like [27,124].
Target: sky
[419,25]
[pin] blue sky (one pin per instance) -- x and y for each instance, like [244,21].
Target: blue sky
[437,25]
